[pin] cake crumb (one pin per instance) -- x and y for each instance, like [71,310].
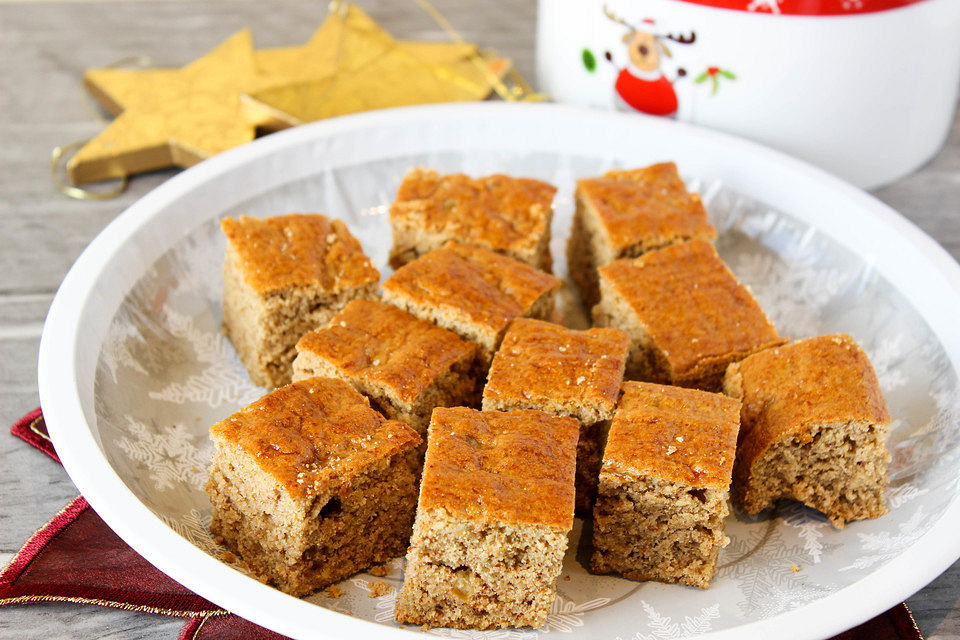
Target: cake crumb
[228,556]
[333,591]
[426,627]
[795,568]
[378,588]
[566,578]
[218,540]
[379,570]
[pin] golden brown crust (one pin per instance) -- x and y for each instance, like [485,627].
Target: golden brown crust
[789,391]
[645,208]
[544,364]
[487,288]
[389,347]
[298,250]
[314,434]
[691,305]
[498,212]
[507,467]
[679,435]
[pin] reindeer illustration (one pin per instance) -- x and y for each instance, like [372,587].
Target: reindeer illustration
[641,84]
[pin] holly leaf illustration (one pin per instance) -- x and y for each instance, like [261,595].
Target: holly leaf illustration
[589,60]
[728,74]
[702,77]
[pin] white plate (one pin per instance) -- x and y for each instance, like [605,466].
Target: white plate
[133,368]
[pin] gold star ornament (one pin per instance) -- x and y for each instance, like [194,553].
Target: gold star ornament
[351,64]
[168,117]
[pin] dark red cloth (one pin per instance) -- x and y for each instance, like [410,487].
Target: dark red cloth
[225,627]
[77,558]
[32,429]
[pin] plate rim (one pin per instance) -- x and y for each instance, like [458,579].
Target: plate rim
[135,523]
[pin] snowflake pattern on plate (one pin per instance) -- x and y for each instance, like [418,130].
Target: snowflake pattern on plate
[883,545]
[166,373]
[664,628]
[812,527]
[171,455]
[219,382]
[768,581]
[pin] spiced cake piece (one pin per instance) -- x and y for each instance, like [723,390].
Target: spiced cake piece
[282,277]
[814,429]
[563,372]
[504,214]
[310,485]
[404,365]
[496,504]
[625,213]
[687,315]
[664,485]
[473,292]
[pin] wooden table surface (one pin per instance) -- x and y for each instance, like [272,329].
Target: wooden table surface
[44,48]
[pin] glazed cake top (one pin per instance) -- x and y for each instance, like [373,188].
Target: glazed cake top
[512,467]
[314,435]
[297,250]
[789,390]
[541,365]
[476,285]
[645,208]
[690,304]
[387,347]
[679,435]
[498,212]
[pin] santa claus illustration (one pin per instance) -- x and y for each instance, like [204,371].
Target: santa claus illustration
[642,85]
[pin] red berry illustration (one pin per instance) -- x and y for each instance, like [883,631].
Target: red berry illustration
[713,74]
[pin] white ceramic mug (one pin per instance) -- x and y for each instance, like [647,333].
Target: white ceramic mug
[863,88]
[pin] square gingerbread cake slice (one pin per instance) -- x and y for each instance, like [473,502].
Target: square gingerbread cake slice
[504,214]
[627,212]
[496,504]
[473,292]
[814,428]
[310,485]
[664,485]
[404,365]
[687,315]
[284,276]
[563,372]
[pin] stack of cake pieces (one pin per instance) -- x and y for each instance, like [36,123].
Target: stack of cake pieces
[563,372]
[405,366]
[282,277]
[623,214]
[622,422]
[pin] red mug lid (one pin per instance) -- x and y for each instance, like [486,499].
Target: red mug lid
[807,7]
